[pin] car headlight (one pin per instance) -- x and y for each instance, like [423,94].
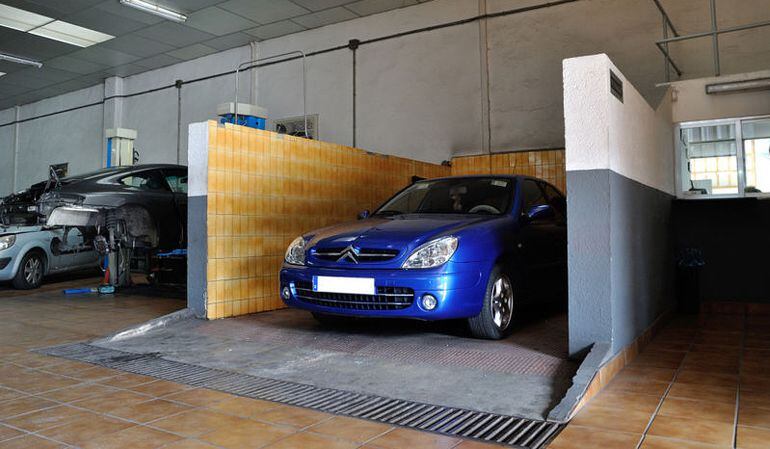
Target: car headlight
[432,254]
[295,254]
[7,241]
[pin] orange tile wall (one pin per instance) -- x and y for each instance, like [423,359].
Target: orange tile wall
[265,189]
[544,164]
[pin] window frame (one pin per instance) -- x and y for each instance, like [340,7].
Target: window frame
[679,159]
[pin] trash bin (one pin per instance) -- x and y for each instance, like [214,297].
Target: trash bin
[689,265]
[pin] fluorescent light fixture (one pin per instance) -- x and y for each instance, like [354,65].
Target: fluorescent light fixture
[70,34]
[153,8]
[738,86]
[21,20]
[18,60]
[2,73]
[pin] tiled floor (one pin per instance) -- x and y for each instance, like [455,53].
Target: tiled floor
[47,402]
[684,389]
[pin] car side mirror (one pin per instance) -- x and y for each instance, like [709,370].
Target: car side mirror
[540,212]
[363,214]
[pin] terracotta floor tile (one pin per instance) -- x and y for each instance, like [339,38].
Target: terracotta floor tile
[108,402]
[24,405]
[77,392]
[198,397]
[709,411]
[752,438]
[30,442]
[126,380]
[50,417]
[637,385]
[149,411]
[95,373]
[703,378]
[80,432]
[137,437]
[659,359]
[67,367]
[293,416]
[760,399]
[628,421]
[189,444]
[576,437]
[401,438]
[649,373]
[306,440]
[247,434]
[246,407]
[654,442]
[352,429]
[194,423]
[32,381]
[7,395]
[159,388]
[703,392]
[709,432]
[8,433]
[755,383]
[626,401]
[754,417]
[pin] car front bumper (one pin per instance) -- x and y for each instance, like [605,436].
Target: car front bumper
[458,287]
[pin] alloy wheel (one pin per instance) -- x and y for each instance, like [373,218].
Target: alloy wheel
[502,302]
[33,270]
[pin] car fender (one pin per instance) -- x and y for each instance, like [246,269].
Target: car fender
[34,243]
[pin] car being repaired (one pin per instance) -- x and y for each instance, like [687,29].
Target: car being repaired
[128,210]
[28,253]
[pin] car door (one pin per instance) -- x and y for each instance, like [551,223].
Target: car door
[558,240]
[153,193]
[176,178]
[536,241]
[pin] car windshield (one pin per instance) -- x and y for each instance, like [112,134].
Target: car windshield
[490,196]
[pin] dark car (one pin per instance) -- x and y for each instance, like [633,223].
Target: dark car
[150,199]
[474,247]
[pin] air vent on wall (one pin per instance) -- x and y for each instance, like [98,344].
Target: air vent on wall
[616,86]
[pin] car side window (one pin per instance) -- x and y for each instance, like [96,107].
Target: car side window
[147,180]
[556,200]
[177,180]
[533,195]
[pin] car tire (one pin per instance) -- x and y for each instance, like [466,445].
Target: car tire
[496,317]
[329,320]
[31,271]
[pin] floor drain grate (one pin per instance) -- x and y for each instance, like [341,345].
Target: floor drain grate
[490,427]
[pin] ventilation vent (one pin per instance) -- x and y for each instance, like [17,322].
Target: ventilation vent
[616,86]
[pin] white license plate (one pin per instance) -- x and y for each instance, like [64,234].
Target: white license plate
[334,284]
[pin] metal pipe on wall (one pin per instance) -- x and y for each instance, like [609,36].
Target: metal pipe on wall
[267,58]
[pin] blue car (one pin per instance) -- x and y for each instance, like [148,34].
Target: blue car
[475,247]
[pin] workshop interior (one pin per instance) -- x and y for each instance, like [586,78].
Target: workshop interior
[384,224]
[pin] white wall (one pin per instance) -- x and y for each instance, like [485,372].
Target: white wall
[420,95]
[630,138]
[692,103]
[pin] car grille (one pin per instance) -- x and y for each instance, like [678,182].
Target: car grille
[387,298]
[362,256]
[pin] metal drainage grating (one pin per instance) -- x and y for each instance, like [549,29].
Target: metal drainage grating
[490,427]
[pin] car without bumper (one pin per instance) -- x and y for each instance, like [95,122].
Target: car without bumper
[29,253]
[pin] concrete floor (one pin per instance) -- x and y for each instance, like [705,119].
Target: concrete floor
[52,403]
[524,375]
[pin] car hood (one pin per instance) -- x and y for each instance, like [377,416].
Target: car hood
[402,233]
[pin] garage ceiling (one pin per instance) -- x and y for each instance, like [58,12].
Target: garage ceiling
[144,42]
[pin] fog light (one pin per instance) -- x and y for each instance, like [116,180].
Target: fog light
[286,293]
[429,302]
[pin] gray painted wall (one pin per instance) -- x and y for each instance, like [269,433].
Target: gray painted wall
[621,264]
[421,95]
